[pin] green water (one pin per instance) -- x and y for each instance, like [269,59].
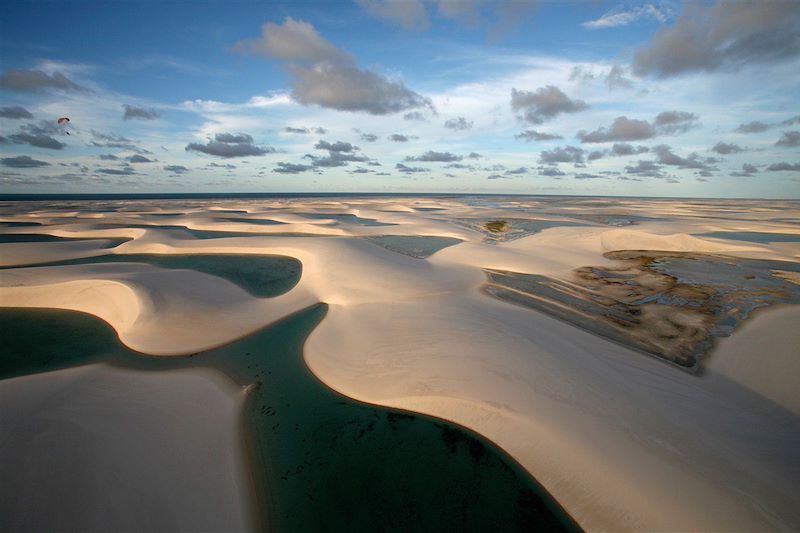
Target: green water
[753,236]
[412,245]
[41,237]
[320,461]
[263,276]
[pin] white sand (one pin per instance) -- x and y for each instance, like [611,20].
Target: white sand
[622,440]
[98,448]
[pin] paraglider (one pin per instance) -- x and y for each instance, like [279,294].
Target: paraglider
[63,122]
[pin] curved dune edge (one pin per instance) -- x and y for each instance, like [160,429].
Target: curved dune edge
[599,426]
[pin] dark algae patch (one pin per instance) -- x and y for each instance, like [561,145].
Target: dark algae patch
[319,461]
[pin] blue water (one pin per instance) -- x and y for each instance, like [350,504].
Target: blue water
[753,236]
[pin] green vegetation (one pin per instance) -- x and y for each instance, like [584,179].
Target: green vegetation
[496,226]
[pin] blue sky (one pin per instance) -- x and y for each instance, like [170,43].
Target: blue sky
[654,98]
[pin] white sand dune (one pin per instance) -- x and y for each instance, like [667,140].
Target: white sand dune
[622,440]
[97,448]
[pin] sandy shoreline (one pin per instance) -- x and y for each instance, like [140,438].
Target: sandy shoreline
[622,441]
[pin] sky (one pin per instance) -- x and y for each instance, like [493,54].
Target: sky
[590,97]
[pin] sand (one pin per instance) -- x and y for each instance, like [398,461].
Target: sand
[622,440]
[104,449]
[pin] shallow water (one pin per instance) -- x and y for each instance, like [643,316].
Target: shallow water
[414,246]
[753,236]
[321,462]
[346,217]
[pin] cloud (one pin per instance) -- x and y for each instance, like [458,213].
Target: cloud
[544,104]
[399,138]
[14,112]
[790,121]
[123,171]
[516,171]
[622,129]
[23,161]
[623,149]
[667,157]
[104,140]
[338,146]
[409,170]
[108,157]
[533,135]
[777,167]
[38,136]
[669,122]
[459,123]
[339,154]
[567,154]
[789,139]
[176,169]
[474,155]
[585,176]
[408,14]
[138,159]
[230,145]
[217,165]
[595,155]
[369,137]
[645,168]
[752,127]
[725,148]
[551,172]
[414,115]
[291,168]
[728,35]
[497,177]
[326,76]
[435,157]
[623,17]
[747,171]
[615,79]
[303,131]
[37,80]
[140,113]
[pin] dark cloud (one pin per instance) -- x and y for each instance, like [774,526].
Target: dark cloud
[435,157]
[725,148]
[615,79]
[138,159]
[595,155]
[789,139]
[533,135]
[39,135]
[669,122]
[622,129]
[474,155]
[623,149]
[369,137]
[374,164]
[103,140]
[360,170]
[36,80]
[581,74]
[399,138]
[747,171]
[458,123]
[227,166]
[544,104]
[516,171]
[567,154]
[667,157]
[291,168]
[776,167]
[15,112]
[305,131]
[551,172]
[585,176]
[108,157]
[176,169]
[23,161]
[338,146]
[414,115]
[230,145]
[324,75]
[727,35]
[752,127]
[409,170]
[497,177]
[122,171]
[790,121]
[139,113]
[645,168]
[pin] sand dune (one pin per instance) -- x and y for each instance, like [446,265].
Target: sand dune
[622,440]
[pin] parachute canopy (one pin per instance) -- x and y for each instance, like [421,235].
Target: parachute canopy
[63,120]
